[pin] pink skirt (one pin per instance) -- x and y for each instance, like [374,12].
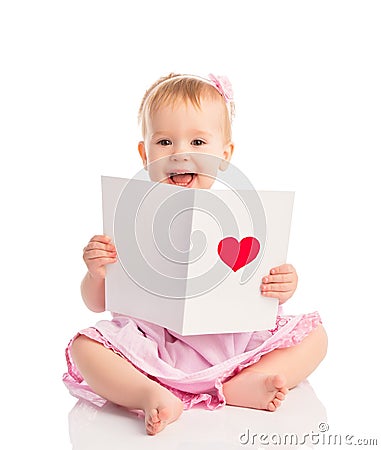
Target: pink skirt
[191,367]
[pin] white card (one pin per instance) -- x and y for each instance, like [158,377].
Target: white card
[192,260]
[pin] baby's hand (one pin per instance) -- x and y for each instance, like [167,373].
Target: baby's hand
[281,283]
[97,253]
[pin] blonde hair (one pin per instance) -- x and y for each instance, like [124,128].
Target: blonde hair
[174,88]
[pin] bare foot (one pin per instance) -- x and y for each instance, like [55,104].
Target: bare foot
[162,409]
[257,390]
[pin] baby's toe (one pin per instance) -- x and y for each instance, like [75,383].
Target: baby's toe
[280,396]
[153,416]
[271,407]
[152,420]
[284,390]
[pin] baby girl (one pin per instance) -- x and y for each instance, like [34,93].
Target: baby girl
[136,364]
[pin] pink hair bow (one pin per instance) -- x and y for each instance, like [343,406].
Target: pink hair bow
[223,86]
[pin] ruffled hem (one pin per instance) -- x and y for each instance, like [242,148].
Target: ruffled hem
[204,387]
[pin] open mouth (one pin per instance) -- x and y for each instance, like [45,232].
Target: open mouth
[182,179]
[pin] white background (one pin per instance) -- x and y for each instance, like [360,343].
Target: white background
[306,77]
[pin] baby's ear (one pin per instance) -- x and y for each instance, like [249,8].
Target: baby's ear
[142,153]
[228,152]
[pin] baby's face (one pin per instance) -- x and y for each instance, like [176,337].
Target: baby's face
[176,133]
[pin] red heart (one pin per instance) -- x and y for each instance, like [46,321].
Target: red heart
[237,254]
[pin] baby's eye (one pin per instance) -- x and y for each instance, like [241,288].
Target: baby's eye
[198,142]
[164,142]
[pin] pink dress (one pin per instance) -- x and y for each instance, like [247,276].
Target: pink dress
[192,367]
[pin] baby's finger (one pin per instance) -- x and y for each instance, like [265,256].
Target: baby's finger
[99,264]
[94,245]
[281,278]
[96,254]
[105,261]
[277,287]
[102,238]
[284,268]
[281,296]
[270,294]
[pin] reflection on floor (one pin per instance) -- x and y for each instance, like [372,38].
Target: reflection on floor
[114,428]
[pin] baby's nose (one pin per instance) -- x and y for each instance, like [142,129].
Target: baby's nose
[180,156]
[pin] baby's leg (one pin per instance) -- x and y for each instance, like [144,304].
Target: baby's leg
[115,379]
[265,384]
